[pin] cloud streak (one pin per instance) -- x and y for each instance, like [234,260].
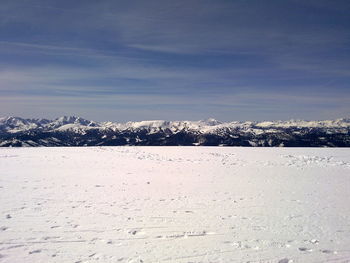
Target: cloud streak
[211,57]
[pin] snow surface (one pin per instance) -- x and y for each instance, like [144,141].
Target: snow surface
[174,204]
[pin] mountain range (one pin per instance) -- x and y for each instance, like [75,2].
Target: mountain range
[76,131]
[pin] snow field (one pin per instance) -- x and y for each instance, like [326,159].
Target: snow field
[174,204]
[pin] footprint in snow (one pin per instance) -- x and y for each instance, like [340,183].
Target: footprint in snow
[34,251]
[50,237]
[304,249]
[327,251]
[136,232]
[314,241]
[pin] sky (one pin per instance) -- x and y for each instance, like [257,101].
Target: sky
[175,60]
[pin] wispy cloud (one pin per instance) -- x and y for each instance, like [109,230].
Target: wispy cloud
[155,58]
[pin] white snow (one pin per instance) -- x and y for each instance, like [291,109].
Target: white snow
[339,123]
[174,204]
[77,124]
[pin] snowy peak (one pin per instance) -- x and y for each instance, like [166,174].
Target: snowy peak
[76,131]
[71,121]
[339,123]
[74,120]
[148,124]
[211,122]
[17,124]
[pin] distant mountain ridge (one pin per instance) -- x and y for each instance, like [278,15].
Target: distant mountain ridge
[76,131]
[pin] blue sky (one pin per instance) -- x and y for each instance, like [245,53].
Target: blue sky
[175,60]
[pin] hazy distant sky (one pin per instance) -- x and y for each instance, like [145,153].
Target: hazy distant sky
[175,59]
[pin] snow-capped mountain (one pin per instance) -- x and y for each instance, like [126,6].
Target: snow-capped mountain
[76,131]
